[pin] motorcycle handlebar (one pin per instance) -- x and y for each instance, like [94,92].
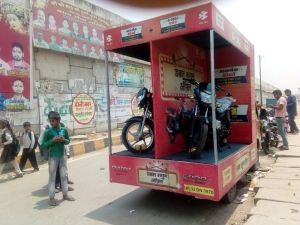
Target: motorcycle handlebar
[191,81]
[194,82]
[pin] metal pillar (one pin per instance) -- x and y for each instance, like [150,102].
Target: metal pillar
[213,93]
[260,88]
[108,104]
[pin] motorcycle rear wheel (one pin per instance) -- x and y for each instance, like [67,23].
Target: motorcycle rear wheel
[145,143]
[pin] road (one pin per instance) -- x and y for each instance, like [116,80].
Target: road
[23,201]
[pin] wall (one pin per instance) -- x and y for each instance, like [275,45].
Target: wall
[58,77]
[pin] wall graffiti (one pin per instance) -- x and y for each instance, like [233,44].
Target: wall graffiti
[120,107]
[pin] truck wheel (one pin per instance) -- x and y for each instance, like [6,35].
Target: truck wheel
[256,166]
[230,195]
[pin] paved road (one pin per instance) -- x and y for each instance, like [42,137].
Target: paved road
[24,201]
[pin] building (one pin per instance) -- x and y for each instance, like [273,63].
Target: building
[68,68]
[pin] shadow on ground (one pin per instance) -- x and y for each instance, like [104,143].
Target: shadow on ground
[43,204]
[149,207]
[42,192]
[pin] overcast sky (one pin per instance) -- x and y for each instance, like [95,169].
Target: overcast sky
[271,25]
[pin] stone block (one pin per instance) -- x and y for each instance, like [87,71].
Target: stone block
[278,195]
[277,210]
[283,184]
[287,162]
[79,61]
[52,65]
[262,220]
[284,173]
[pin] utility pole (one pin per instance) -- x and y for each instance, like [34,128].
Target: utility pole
[260,88]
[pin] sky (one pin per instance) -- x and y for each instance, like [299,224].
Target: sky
[271,25]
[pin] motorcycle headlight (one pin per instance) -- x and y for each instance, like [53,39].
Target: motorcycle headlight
[141,96]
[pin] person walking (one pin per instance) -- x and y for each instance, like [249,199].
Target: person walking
[55,138]
[29,146]
[292,111]
[280,112]
[9,152]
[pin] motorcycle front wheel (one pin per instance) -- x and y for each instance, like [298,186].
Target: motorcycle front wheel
[135,140]
[200,138]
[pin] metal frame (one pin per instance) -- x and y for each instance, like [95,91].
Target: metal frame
[108,104]
[213,93]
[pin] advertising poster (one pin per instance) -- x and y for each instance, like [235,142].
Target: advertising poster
[83,108]
[231,75]
[63,27]
[14,58]
[129,75]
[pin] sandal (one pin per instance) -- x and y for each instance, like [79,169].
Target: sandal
[68,198]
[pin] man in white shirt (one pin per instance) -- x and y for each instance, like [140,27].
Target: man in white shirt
[29,146]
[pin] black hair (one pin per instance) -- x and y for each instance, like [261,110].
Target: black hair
[18,79]
[18,45]
[277,91]
[53,115]
[7,125]
[288,90]
[26,124]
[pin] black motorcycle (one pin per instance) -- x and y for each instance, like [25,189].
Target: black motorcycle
[269,131]
[200,125]
[137,134]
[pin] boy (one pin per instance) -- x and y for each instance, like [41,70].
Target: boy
[29,147]
[55,138]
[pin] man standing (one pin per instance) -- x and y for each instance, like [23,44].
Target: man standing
[292,110]
[55,138]
[29,146]
[280,112]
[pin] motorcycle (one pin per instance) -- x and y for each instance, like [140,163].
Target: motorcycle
[138,134]
[200,125]
[269,131]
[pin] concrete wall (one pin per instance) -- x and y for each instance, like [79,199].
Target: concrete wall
[58,77]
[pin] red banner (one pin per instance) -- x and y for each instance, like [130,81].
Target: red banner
[14,58]
[63,27]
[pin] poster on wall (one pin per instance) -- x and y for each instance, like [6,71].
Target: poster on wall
[63,27]
[83,108]
[14,58]
[129,75]
[231,75]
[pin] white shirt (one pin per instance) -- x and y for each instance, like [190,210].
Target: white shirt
[27,142]
[8,136]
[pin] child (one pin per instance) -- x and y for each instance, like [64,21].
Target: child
[9,152]
[55,138]
[29,147]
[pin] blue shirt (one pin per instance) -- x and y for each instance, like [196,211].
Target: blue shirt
[292,105]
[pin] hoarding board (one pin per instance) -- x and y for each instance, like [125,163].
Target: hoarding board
[14,58]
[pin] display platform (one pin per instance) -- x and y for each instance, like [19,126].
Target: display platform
[149,155]
[207,156]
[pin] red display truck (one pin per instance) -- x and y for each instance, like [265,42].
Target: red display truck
[201,44]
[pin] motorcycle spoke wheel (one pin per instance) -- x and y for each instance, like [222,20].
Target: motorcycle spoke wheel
[135,142]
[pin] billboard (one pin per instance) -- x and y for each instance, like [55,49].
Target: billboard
[129,75]
[64,27]
[14,58]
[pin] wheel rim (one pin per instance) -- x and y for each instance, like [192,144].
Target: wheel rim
[142,143]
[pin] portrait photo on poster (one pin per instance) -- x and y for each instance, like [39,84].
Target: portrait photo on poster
[69,27]
[14,58]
